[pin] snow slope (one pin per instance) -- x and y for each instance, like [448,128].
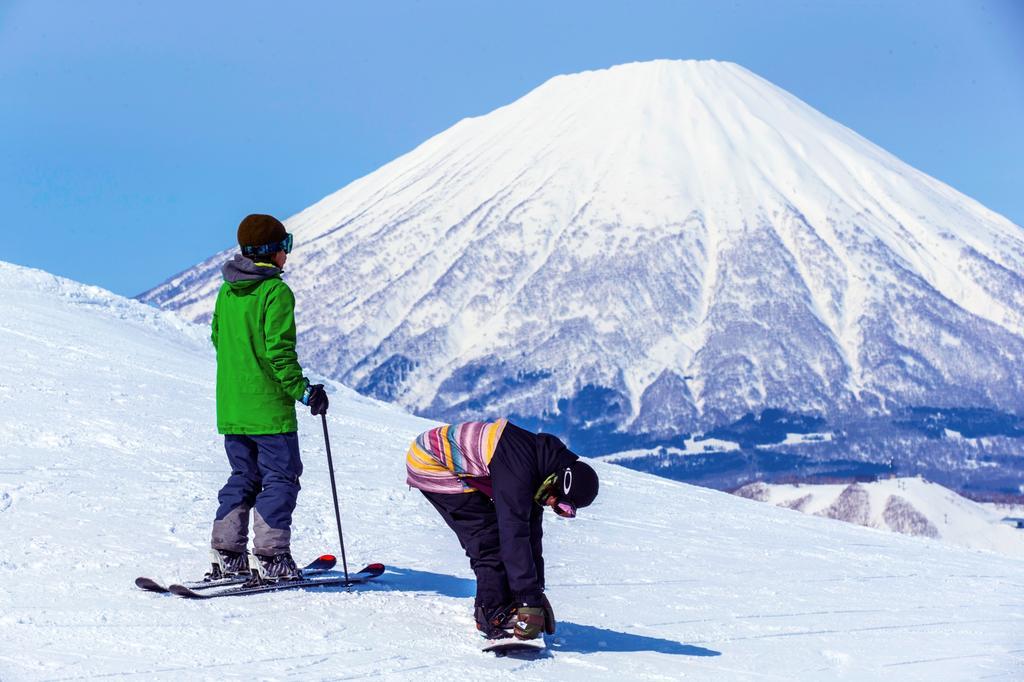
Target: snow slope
[911,506]
[109,466]
[658,248]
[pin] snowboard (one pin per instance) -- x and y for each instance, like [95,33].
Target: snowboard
[527,649]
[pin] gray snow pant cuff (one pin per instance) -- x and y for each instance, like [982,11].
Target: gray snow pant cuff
[232,532]
[269,541]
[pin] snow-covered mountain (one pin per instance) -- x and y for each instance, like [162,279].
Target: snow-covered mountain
[653,248]
[910,506]
[109,467]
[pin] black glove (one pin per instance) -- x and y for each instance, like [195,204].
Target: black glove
[317,399]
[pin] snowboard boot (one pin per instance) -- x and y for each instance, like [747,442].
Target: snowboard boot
[227,564]
[274,568]
[495,623]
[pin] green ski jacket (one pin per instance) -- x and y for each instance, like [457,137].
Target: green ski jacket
[253,329]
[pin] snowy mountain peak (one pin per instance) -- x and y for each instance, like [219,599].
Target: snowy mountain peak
[651,249]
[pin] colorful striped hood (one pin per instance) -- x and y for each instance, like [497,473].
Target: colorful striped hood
[448,458]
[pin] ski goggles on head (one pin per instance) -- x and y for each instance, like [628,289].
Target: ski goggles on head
[546,489]
[266,249]
[547,496]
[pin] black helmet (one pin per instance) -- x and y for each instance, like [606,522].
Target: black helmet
[578,484]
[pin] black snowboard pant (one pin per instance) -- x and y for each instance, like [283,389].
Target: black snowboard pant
[473,518]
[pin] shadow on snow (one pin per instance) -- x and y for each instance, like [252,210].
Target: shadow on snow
[587,639]
[571,637]
[412,580]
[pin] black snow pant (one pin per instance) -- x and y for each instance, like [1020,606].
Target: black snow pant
[265,473]
[473,518]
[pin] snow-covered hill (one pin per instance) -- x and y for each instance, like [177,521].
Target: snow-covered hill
[658,247]
[910,506]
[109,466]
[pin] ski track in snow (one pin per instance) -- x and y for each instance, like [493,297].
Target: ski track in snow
[109,468]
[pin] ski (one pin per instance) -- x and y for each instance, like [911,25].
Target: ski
[368,573]
[318,565]
[527,649]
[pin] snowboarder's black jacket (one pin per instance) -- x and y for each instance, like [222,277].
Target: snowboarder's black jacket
[521,462]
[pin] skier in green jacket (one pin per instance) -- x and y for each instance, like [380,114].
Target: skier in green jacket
[258,382]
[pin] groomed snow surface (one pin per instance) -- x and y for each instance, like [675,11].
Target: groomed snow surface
[109,467]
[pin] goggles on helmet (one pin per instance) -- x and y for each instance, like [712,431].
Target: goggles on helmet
[547,496]
[564,509]
[266,249]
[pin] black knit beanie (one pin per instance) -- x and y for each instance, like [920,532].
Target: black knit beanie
[259,229]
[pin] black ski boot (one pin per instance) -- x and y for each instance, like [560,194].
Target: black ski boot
[277,567]
[227,564]
[495,623]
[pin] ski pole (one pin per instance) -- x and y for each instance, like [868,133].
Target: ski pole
[334,493]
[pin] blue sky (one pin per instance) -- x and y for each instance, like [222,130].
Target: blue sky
[135,135]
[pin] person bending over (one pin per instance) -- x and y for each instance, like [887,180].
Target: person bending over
[491,482]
